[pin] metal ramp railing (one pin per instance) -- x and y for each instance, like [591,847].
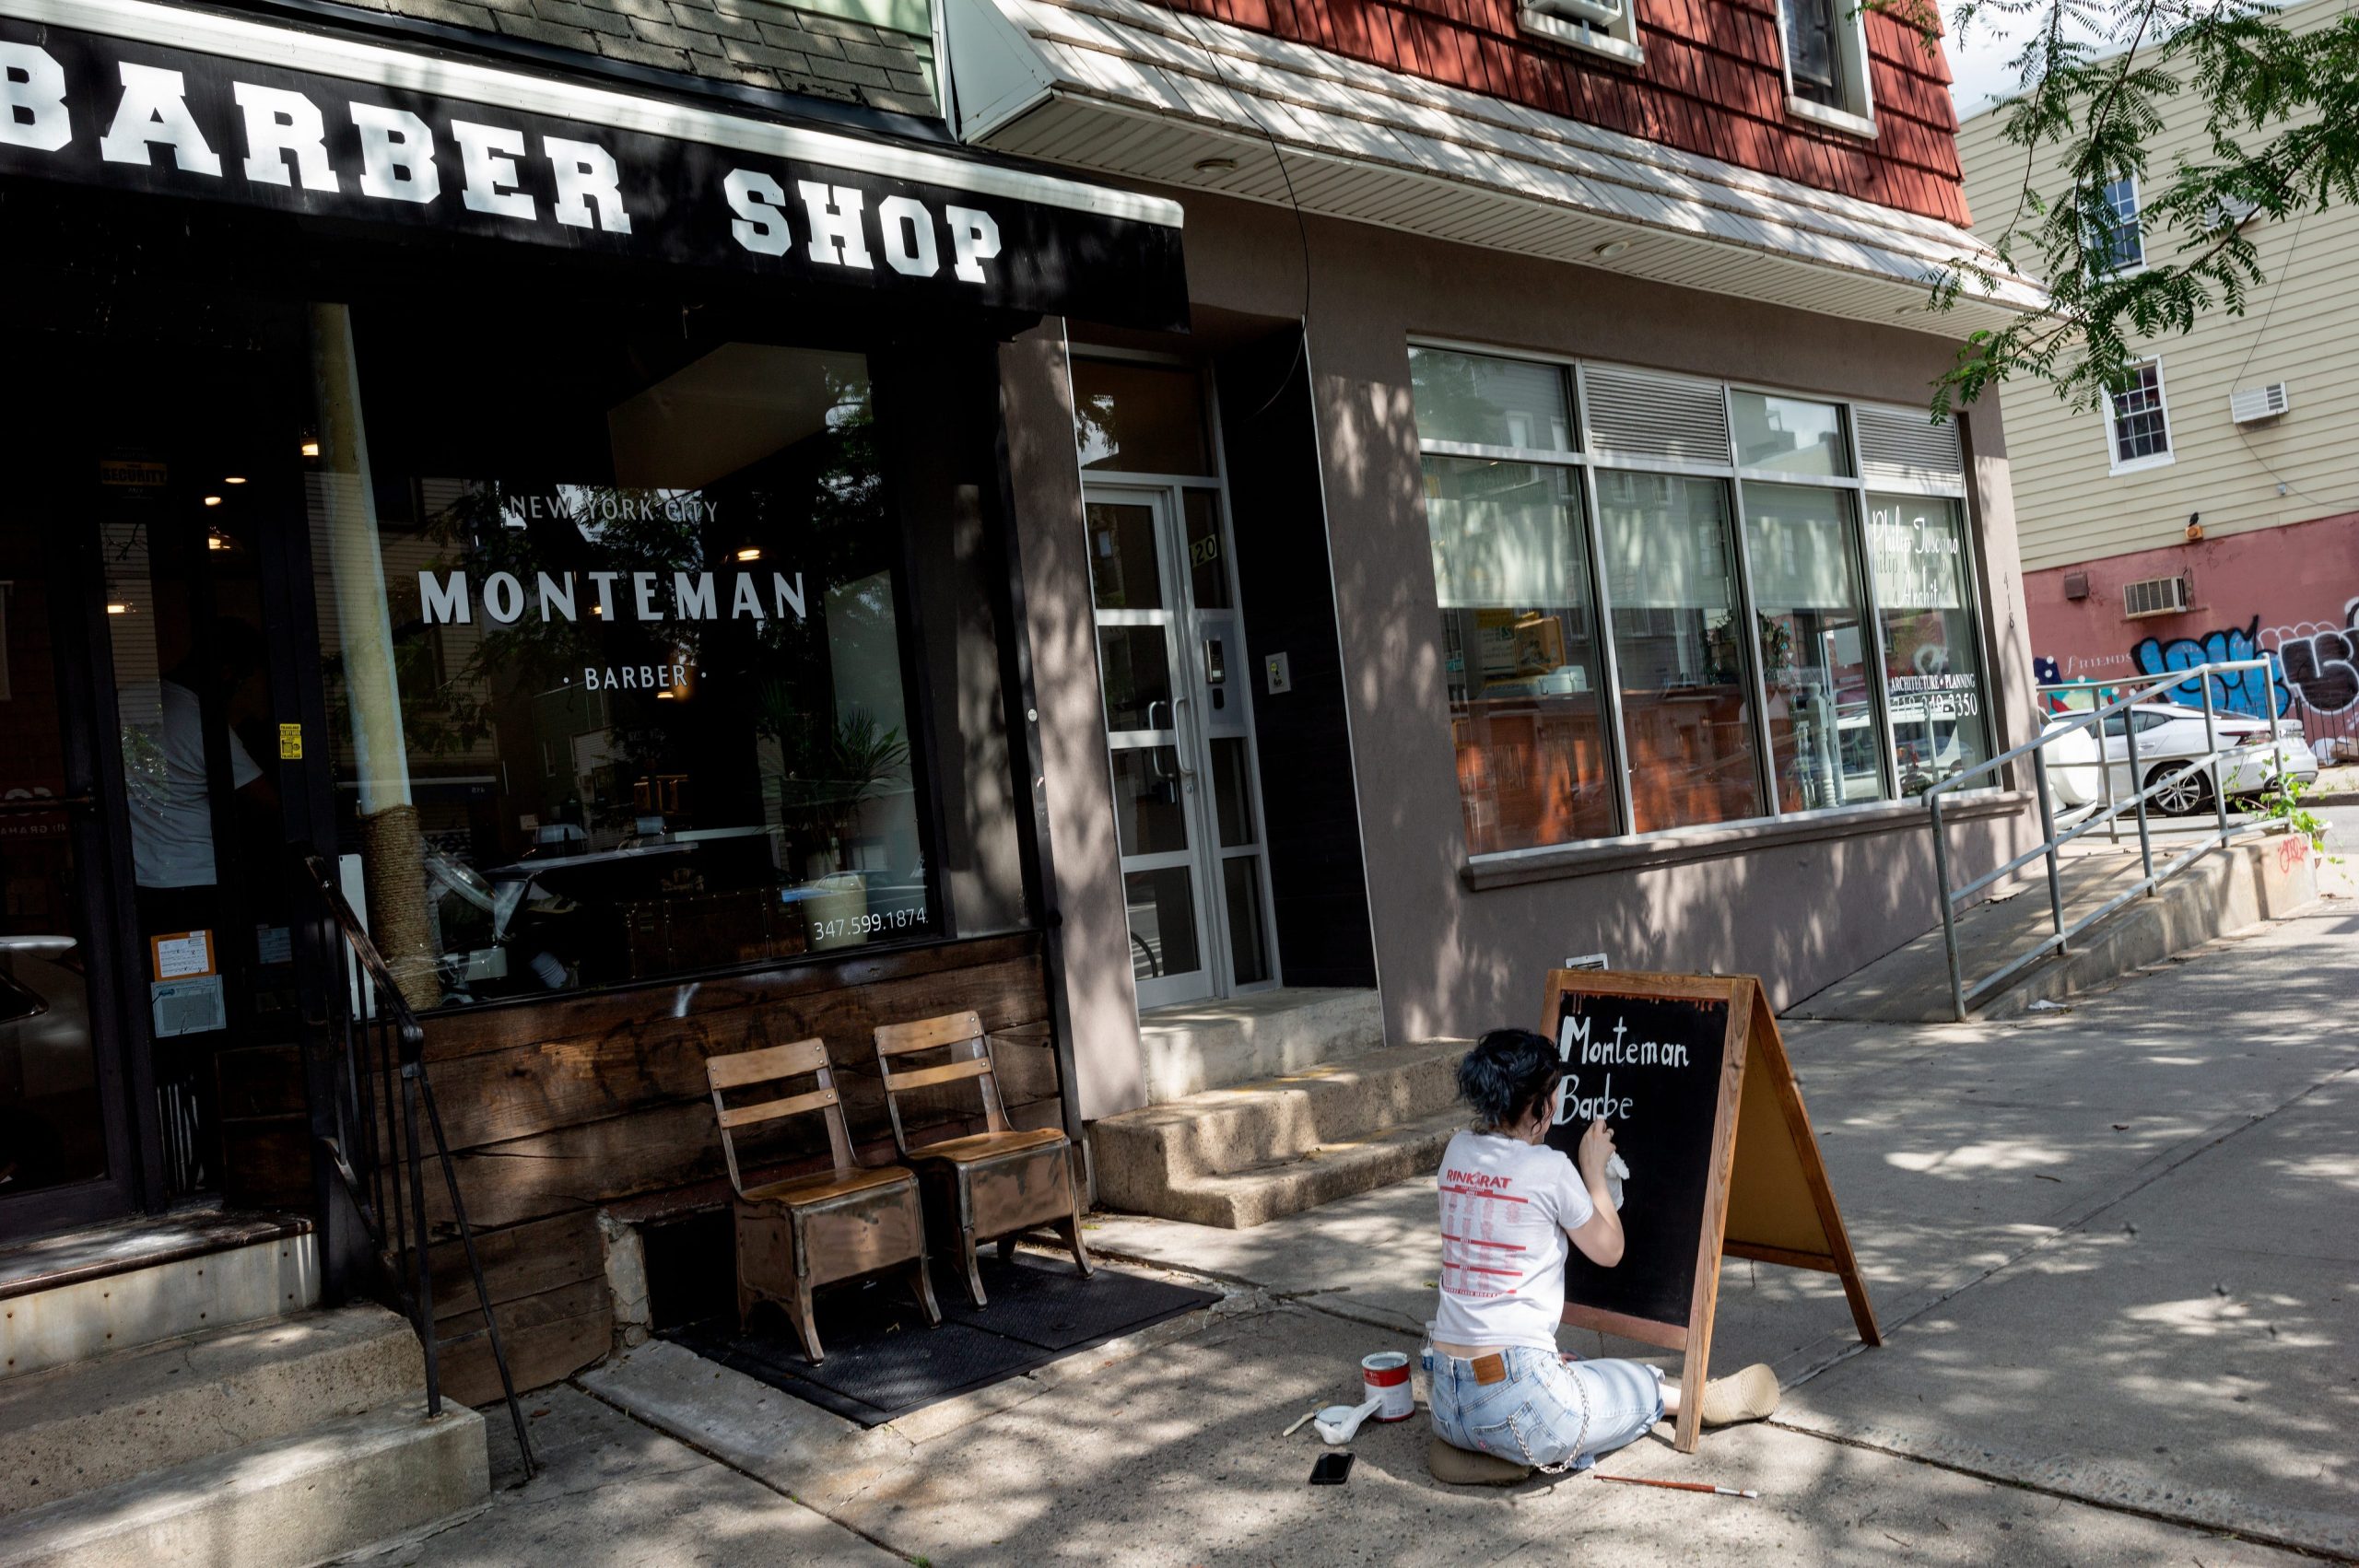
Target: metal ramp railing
[2105,812]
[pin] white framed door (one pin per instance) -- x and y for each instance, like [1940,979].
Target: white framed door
[1180,738]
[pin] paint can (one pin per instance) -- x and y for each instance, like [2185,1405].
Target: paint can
[1386,1377]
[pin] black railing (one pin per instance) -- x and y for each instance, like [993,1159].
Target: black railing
[380,1119]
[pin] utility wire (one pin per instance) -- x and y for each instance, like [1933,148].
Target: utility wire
[1302,230]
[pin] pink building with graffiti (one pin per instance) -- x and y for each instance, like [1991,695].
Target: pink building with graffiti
[2210,506]
[2292,591]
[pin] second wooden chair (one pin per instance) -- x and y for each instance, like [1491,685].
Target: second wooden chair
[797,1234]
[991,1185]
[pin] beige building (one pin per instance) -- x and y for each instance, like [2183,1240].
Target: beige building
[2213,505]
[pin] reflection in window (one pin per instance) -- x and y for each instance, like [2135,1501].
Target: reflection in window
[1140,418]
[1685,712]
[637,636]
[1809,617]
[1511,568]
[1483,401]
[1788,434]
[1933,668]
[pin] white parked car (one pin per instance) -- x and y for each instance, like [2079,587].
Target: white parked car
[2170,735]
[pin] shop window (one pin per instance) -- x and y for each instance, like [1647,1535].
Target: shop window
[1933,677]
[1511,571]
[616,647]
[1679,646]
[1827,64]
[1476,401]
[1816,672]
[1789,435]
[1133,417]
[1597,617]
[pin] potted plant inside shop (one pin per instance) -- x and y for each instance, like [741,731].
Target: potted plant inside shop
[833,771]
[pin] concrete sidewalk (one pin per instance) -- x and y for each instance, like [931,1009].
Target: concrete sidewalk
[2112,1248]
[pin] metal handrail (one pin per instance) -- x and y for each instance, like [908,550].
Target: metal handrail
[370,1014]
[2051,841]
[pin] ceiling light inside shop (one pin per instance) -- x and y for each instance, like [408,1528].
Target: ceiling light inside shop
[118,609]
[310,449]
[216,540]
[750,553]
[212,500]
[235,479]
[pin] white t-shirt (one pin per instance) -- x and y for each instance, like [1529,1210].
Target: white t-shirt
[1505,1206]
[163,771]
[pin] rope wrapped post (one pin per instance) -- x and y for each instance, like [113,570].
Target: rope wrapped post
[393,850]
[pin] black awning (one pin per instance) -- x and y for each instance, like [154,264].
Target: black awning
[156,100]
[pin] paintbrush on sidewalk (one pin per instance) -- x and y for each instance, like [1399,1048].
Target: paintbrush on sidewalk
[1684,1486]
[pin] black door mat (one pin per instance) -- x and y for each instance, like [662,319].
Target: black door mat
[884,1360]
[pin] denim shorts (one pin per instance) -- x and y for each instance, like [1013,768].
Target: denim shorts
[1548,1412]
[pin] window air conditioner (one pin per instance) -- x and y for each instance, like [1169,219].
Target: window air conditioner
[2256,403]
[2154,596]
[1596,13]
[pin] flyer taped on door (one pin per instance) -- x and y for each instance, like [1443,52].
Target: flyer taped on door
[180,956]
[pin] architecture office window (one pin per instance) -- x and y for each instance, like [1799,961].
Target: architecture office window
[2138,419]
[1632,650]
[1512,573]
[614,651]
[1826,64]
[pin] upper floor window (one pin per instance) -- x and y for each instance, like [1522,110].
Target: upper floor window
[2138,420]
[2118,244]
[1602,27]
[1827,64]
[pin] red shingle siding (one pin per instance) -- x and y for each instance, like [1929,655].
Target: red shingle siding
[1712,84]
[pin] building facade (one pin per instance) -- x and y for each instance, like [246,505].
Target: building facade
[2210,509]
[717,524]
[1605,588]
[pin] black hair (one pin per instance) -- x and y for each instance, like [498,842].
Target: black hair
[1508,1074]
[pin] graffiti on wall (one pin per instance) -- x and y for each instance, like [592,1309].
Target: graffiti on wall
[2317,665]
[2239,691]
[2322,664]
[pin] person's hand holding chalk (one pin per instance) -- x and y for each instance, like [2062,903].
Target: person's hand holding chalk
[1597,1147]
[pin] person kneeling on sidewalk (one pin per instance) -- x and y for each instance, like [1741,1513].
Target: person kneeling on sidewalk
[1510,1206]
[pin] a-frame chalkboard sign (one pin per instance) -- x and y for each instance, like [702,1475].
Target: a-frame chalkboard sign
[1689,1073]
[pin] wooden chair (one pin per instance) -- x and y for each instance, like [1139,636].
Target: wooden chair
[797,1234]
[990,1185]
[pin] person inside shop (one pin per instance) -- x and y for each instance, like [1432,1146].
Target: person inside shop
[174,864]
[1505,1400]
[169,785]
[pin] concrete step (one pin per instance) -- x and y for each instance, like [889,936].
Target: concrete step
[1240,1155]
[1240,1200]
[79,1428]
[1193,1047]
[290,1502]
[140,1282]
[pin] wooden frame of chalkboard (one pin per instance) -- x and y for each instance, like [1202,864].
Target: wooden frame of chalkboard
[1723,1160]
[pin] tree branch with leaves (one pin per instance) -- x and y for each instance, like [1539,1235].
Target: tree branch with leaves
[2279,99]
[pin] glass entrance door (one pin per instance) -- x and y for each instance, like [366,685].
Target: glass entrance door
[65,1147]
[1171,650]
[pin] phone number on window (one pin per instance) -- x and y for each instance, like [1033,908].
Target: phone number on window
[867,925]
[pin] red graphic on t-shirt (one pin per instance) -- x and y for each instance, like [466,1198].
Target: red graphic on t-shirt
[1478,1214]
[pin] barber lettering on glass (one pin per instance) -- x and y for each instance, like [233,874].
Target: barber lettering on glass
[358,154]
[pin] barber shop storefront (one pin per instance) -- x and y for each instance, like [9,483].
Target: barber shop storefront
[571,521]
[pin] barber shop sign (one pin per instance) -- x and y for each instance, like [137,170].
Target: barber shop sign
[335,127]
